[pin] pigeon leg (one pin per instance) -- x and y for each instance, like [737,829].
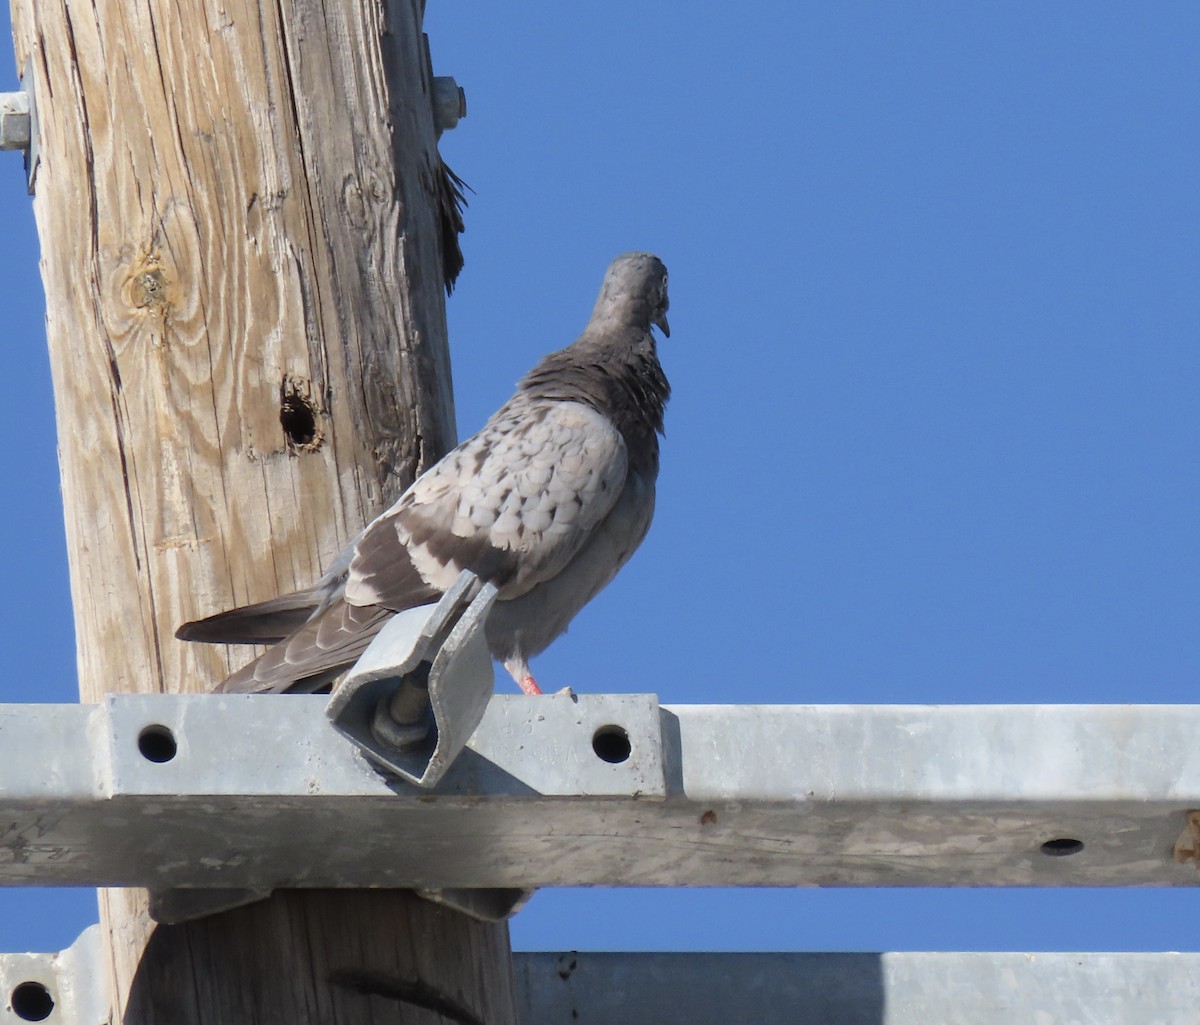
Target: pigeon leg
[518,669]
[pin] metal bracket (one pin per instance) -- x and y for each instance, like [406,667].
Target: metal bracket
[183,904]
[414,698]
[493,905]
[19,123]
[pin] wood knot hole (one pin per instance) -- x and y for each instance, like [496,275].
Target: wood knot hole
[149,291]
[298,415]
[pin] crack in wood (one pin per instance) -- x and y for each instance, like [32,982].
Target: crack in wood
[409,991]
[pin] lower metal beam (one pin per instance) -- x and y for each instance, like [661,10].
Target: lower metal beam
[717,989]
[857,989]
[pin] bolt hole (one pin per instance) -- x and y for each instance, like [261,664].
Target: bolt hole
[611,744]
[157,744]
[31,1001]
[1062,847]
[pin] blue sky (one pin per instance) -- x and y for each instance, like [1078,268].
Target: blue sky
[934,354]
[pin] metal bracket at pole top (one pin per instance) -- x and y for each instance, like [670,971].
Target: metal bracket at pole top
[19,123]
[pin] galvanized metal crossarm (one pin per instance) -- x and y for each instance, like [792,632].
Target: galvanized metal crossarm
[239,791]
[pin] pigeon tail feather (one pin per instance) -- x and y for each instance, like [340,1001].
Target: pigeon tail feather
[266,622]
[312,657]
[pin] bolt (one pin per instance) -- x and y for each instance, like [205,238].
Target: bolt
[14,120]
[404,718]
[449,103]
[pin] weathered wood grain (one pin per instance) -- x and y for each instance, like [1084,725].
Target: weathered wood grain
[237,209]
[300,959]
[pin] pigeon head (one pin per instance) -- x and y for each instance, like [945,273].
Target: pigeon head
[634,294]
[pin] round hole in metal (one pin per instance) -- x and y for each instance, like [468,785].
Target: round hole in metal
[157,744]
[611,744]
[31,1001]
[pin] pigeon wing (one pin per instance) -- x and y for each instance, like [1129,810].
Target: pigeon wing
[513,504]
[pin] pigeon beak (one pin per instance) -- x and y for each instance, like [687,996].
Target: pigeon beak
[663,326]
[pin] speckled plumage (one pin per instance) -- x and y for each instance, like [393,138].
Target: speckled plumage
[547,502]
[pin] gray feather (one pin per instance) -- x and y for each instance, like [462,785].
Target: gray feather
[547,502]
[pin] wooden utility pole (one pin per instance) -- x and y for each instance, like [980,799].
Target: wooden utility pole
[238,205]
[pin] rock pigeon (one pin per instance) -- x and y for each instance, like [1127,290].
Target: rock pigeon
[546,502]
